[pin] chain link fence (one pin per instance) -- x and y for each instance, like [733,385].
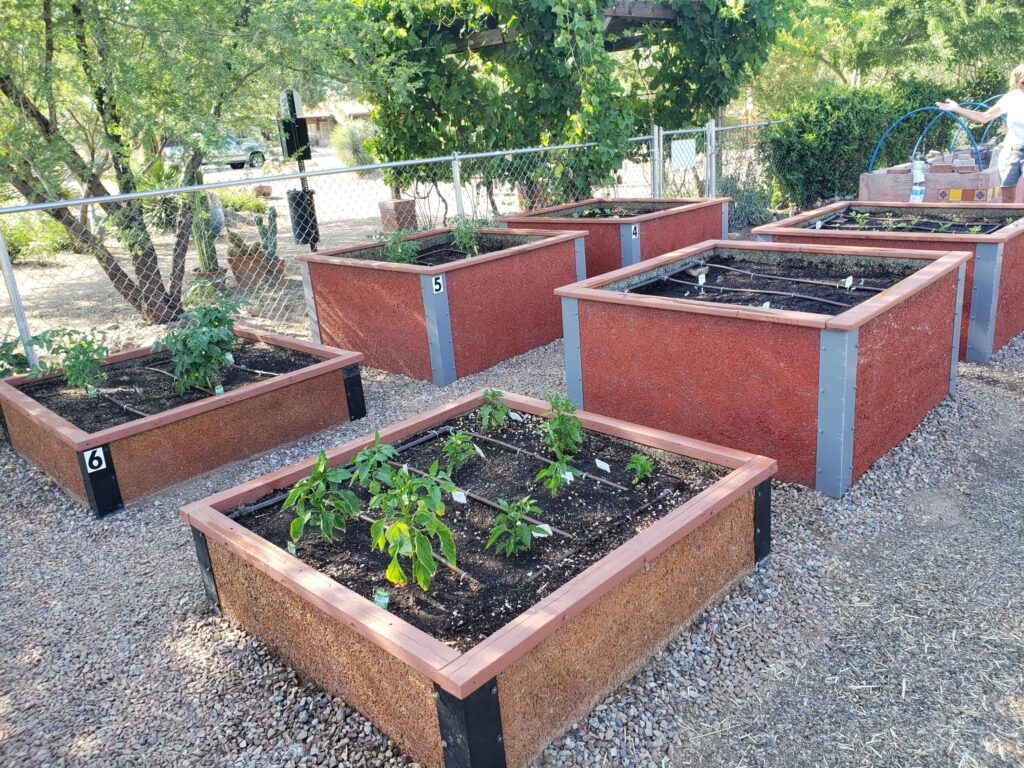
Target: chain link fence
[122,264]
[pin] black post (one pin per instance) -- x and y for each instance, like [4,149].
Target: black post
[471,728]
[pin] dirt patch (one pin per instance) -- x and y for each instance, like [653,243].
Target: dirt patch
[899,220]
[591,519]
[146,386]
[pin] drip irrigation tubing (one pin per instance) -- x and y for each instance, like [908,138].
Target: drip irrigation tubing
[804,280]
[723,289]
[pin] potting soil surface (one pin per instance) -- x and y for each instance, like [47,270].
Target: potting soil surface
[779,284]
[594,517]
[146,384]
[899,220]
[609,211]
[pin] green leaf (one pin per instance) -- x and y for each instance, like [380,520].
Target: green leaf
[395,574]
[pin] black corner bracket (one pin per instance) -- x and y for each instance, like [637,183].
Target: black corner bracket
[354,391]
[206,569]
[471,728]
[5,435]
[97,466]
[762,520]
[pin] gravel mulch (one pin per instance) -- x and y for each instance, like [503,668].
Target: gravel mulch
[885,630]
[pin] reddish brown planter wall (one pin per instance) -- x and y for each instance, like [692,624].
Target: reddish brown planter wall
[826,396]
[993,303]
[615,243]
[440,323]
[502,701]
[157,451]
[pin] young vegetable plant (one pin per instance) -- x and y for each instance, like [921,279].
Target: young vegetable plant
[464,235]
[556,475]
[861,217]
[370,464]
[78,355]
[321,500]
[12,359]
[975,229]
[563,430]
[493,413]
[640,466]
[397,249]
[200,345]
[411,508]
[458,449]
[511,533]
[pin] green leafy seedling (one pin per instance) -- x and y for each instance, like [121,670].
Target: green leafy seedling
[511,532]
[78,355]
[200,345]
[399,250]
[556,475]
[12,359]
[974,230]
[563,430]
[458,449]
[371,464]
[321,500]
[640,466]
[493,413]
[464,235]
[411,507]
[861,217]
[944,226]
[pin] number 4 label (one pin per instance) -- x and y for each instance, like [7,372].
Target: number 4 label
[95,460]
[438,283]
[635,231]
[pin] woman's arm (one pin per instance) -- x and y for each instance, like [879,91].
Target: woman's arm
[973,115]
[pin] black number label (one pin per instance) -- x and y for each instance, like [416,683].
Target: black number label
[438,284]
[95,460]
[635,231]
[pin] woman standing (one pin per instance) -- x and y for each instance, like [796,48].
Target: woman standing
[1011,157]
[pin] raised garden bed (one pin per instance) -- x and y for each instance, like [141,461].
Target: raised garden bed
[499,656]
[993,304]
[138,435]
[629,230]
[446,315]
[824,358]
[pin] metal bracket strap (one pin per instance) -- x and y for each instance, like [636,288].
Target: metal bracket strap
[629,243]
[725,221]
[439,328]
[573,358]
[100,479]
[581,258]
[307,292]
[471,728]
[354,391]
[762,520]
[988,263]
[206,569]
[837,389]
[957,321]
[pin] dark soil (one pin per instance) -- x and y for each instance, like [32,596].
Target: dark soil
[134,383]
[895,221]
[723,286]
[461,613]
[610,211]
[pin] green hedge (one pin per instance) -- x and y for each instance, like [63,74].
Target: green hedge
[829,137]
[33,236]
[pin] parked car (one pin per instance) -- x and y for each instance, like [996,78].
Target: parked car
[231,151]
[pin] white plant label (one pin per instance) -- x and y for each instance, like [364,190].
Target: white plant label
[766,305]
[817,225]
[437,283]
[635,231]
[95,460]
[459,496]
[514,416]
[91,391]
[701,279]
[479,452]
[219,389]
[848,282]
[568,476]
[603,465]
[544,532]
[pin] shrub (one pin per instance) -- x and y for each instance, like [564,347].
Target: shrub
[33,236]
[242,200]
[348,140]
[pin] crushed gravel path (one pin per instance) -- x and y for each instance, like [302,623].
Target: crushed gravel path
[885,630]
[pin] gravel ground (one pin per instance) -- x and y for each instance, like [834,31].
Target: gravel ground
[885,630]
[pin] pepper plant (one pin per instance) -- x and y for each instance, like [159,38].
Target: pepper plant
[556,475]
[640,466]
[321,500]
[369,464]
[397,249]
[493,413]
[511,532]
[200,345]
[411,507]
[563,430]
[458,449]
[79,355]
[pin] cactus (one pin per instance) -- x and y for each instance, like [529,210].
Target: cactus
[268,233]
[238,246]
[206,243]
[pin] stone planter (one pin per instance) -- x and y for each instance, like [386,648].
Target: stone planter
[993,308]
[503,700]
[115,465]
[618,242]
[397,214]
[947,181]
[249,270]
[826,395]
[441,322]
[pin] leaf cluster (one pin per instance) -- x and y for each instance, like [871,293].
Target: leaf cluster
[200,344]
[12,359]
[322,500]
[493,413]
[458,449]
[79,355]
[511,533]
[640,466]
[397,249]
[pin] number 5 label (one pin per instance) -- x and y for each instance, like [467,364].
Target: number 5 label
[438,283]
[95,460]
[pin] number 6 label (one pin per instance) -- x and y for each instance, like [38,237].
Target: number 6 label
[95,460]
[438,283]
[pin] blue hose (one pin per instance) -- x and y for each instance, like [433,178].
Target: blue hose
[984,134]
[934,120]
[878,146]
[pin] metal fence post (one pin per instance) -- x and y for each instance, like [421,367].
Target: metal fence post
[710,159]
[657,161]
[457,181]
[15,297]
